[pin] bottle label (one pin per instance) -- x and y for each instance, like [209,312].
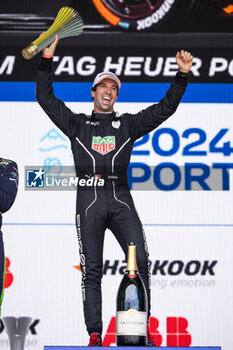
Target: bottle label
[132,322]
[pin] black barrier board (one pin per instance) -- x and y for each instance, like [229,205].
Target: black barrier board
[135,64]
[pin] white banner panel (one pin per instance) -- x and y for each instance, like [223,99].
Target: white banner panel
[189,233]
[30,138]
[191,273]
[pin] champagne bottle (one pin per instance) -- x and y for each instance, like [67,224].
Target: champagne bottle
[131,320]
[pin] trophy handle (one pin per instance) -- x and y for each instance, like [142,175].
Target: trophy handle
[30,51]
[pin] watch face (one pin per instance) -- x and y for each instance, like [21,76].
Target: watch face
[133,9]
[167,15]
[133,14]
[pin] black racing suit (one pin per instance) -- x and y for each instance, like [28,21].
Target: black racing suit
[101,145]
[8,191]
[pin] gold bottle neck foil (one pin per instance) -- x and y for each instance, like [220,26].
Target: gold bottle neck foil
[30,51]
[131,261]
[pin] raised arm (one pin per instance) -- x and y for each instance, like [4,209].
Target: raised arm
[150,118]
[56,109]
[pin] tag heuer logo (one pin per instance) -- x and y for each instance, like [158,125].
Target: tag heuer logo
[103,145]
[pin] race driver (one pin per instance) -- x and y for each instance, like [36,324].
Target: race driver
[8,191]
[101,144]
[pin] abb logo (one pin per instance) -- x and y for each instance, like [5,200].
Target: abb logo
[177,334]
[8,275]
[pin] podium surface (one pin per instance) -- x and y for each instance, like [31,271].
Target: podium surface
[131,347]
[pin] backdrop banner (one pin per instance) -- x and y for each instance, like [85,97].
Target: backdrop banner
[187,221]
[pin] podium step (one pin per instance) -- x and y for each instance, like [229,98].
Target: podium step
[131,347]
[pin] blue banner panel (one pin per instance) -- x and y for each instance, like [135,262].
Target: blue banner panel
[125,348]
[130,92]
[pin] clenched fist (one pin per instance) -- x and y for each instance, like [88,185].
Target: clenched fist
[184,59]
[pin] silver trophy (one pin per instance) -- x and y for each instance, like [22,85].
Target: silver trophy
[17,329]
